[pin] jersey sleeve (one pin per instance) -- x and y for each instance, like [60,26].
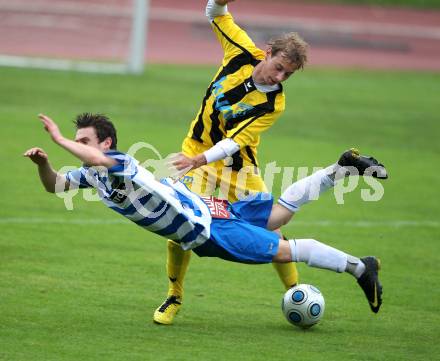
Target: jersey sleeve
[78,178]
[233,39]
[84,177]
[126,166]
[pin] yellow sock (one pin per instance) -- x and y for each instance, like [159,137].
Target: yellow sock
[177,264]
[288,273]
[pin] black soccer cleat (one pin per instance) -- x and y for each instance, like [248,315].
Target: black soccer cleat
[369,282]
[352,158]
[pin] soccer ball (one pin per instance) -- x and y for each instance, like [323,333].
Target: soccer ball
[303,305]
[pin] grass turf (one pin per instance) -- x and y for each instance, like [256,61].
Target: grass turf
[76,290]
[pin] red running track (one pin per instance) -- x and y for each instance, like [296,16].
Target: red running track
[342,36]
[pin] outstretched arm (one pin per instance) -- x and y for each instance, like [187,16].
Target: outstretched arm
[48,176]
[232,38]
[88,155]
[221,150]
[216,8]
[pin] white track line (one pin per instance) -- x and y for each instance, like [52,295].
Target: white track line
[103,221]
[61,64]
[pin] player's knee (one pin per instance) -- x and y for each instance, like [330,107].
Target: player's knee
[284,254]
[279,217]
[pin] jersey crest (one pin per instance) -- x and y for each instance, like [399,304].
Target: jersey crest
[219,208]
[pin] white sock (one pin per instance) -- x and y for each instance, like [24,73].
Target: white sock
[355,266]
[308,188]
[317,254]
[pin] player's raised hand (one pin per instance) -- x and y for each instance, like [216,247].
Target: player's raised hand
[180,161]
[51,127]
[37,155]
[178,165]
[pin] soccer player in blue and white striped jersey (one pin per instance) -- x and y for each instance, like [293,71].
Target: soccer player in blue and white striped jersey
[238,232]
[167,208]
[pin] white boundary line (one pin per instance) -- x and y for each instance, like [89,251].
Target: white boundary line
[103,221]
[67,8]
[61,64]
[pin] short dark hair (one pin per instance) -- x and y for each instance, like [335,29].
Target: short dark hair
[103,126]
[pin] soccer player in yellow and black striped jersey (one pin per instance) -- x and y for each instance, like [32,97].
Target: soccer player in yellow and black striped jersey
[243,100]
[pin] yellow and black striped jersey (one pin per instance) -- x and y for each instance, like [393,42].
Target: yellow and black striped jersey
[233,107]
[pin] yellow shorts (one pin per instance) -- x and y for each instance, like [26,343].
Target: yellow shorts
[232,185]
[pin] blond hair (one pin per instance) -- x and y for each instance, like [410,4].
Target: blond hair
[292,47]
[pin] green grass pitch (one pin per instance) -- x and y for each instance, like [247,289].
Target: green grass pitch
[73,287]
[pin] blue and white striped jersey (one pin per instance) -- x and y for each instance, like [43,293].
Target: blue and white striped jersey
[166,208]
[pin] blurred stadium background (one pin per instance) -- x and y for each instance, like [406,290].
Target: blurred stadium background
[366,36]
[82,285]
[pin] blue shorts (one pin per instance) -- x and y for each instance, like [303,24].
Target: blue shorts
[243,238]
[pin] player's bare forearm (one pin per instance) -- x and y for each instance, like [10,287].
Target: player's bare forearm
[198,161]
[48,175]
[184,162]
[87,154]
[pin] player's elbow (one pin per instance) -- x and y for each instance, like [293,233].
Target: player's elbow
[284,254]
[49,188]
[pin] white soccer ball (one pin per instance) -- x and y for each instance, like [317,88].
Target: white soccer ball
[303,305]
